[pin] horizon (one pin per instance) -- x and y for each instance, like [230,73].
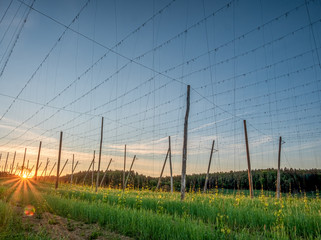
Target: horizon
[32,174]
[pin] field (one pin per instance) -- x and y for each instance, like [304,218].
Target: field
[77,212]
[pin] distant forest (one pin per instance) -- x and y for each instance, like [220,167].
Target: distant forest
[292,180]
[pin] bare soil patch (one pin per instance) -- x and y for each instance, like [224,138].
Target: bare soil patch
[56,227]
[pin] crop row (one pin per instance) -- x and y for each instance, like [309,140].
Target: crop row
[289,216]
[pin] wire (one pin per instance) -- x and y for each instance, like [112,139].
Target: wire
[45,58]
[5,12]
[15,40]
[312,31]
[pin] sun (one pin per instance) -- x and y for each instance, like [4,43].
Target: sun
[24,176]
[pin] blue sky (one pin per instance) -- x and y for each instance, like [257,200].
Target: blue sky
[130,61]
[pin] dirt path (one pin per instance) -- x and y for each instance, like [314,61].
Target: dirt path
[56,227]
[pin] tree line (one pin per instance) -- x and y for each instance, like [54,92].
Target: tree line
[292,180]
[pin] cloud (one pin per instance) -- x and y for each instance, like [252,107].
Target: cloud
[142,148]
[208,125]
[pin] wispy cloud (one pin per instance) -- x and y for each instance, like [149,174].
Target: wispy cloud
[209,124]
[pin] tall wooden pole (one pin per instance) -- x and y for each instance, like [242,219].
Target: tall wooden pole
[73,170]
[39,165]
[23,163]
[124,169]
[16,169]
[51,169]
[31,170]
[72,167]
[75,166]
[47,165]
[89,168]
[102,180]
[14,158]
[170,162]
[59,157]
[248,160]
[36,177]
[208,168]
[5,166]
[130,169]
[63,168]
[278,181]
[45,169]
[184,156]
[101,143]
[160,177]
[92,172]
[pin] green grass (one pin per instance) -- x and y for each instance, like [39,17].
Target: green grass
[160,215]
[11,226]
[298,215]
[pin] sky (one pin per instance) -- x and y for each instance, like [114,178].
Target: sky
[66,64]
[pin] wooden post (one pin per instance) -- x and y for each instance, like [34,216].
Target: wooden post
[208,168]
[23,163]
[59,157]
[51,169]
[45,169]
[92,172]
[89,168]
[160,177]
[16,169]
[37,165]
[102,180]
[31,170]
[170,161]
[14,158]
[278,181]
[124,169]
[40,165]
[130,171]
[5,166]
[184,156]
[47,166]
[248,161]
[101,143]
[73,168]
[63,168]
